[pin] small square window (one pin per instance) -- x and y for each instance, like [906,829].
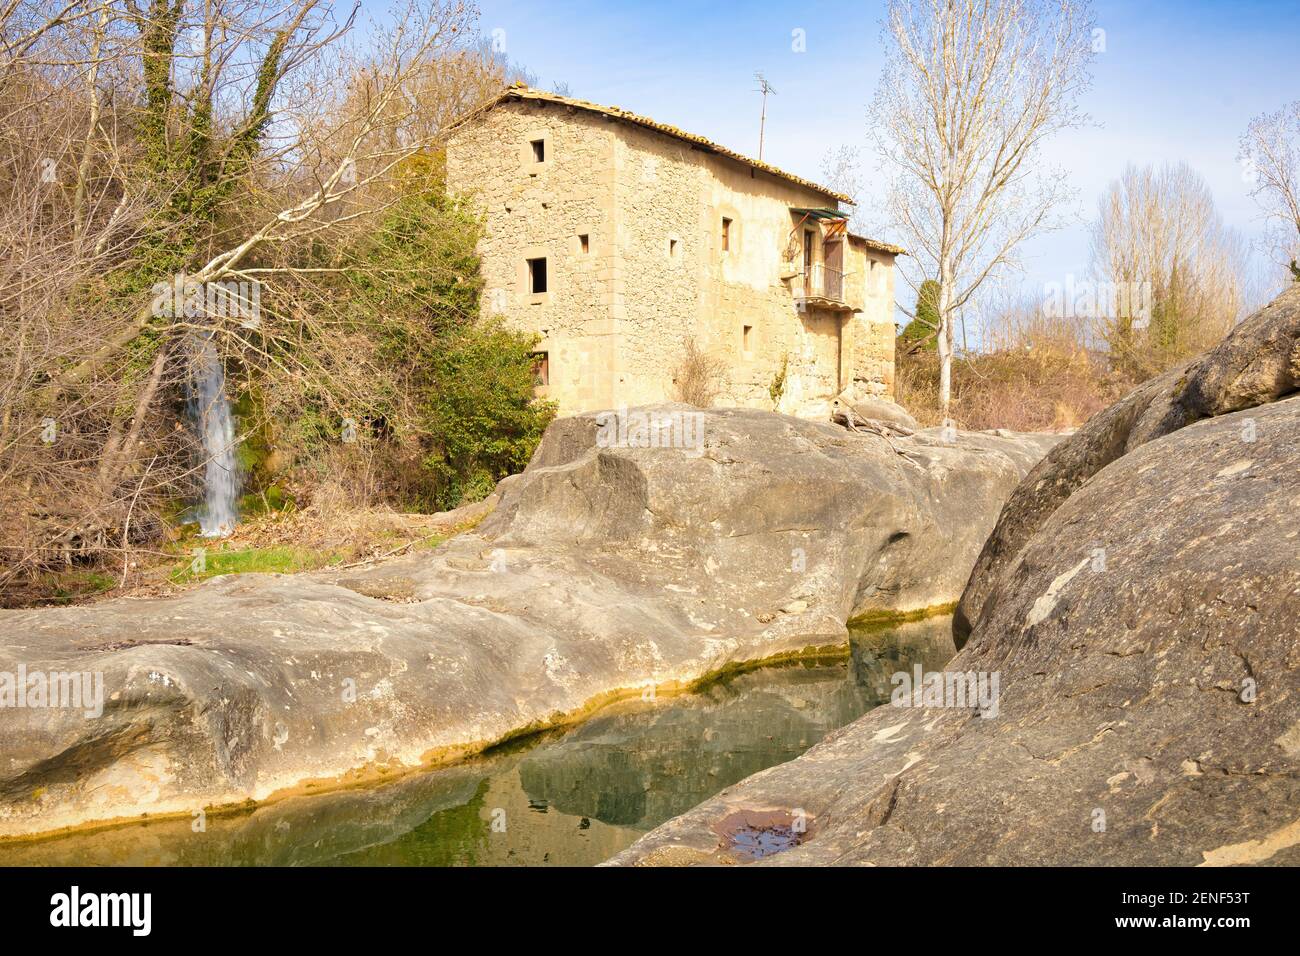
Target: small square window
[539,150]
[537,276]
[726,234]
[584,243]
[541,369]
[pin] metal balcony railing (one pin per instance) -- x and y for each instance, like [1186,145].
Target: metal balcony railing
[821,282]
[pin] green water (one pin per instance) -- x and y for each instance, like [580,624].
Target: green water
[573,797]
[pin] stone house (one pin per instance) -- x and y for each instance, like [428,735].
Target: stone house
[618,239]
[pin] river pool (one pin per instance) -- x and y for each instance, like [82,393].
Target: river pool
[568,797]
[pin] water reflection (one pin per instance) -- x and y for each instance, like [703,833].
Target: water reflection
[575,797]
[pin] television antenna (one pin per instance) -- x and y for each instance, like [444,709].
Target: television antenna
[765,88]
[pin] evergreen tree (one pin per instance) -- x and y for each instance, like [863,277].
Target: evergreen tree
[920,333]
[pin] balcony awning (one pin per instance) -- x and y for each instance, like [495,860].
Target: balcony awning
[819,213]
[834,222]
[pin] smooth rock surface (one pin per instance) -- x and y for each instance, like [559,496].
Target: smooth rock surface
[602,570]
[1258,363]
[1147,641]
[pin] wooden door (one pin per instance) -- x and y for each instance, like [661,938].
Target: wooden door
[809,237]
[833,255]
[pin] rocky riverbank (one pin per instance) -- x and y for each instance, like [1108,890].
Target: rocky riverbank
[1140,603]
[605,571]
[572,796]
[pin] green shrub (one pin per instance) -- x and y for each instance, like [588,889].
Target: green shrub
[440,397]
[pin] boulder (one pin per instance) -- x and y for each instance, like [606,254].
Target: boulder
[1145,638]
[1257,363]
[621,558]
[883,410]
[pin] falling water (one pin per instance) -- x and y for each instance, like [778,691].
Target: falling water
[210,411]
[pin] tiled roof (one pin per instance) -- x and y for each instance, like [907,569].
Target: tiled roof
[879,246]
[520,92]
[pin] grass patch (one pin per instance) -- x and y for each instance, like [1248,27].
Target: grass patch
[431,543]
[282,559]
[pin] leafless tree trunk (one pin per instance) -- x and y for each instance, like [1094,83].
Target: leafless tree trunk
[1270,153]
[969,91]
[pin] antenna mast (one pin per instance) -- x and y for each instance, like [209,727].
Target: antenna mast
[765,88]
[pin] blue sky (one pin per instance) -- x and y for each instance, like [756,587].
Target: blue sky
[1177,81]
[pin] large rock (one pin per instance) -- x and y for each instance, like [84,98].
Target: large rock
[1257,363]
[602,570]
[872,409]
[1147,641]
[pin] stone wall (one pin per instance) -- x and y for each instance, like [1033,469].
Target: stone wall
[664,250]
[870,283]
[748,290]
[536,209]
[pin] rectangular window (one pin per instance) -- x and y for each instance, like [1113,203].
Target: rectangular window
[747,337]
[726,234]
[584,243]
[537,276]
[672,248]
[541,369]
[539,150]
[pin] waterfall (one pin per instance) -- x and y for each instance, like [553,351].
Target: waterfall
[209,409]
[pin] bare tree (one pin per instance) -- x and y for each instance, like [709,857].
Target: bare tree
[969,92]
[1270,152]
[1160,242]
[147,143]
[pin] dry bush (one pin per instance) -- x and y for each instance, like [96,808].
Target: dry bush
[915,387]
[1027,390]
[1036,372]
[700,376]
[329,525]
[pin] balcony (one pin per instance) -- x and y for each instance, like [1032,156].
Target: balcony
[820,286]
